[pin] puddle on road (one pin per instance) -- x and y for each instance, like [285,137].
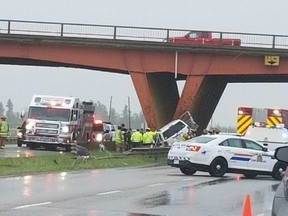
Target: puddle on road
[140,214]
[187,195]
[214,182]
[162,198]
[166,197]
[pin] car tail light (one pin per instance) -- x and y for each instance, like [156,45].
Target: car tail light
[193,148]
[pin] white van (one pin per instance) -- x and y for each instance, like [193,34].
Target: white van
[270,137]
[172,132]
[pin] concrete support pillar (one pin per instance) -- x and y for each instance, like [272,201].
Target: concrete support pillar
[158,95]
[200,97]
[188,96]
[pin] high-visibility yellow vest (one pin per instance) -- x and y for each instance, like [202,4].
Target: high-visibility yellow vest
[4,129]
[148,137]
[119,137]
[136,137]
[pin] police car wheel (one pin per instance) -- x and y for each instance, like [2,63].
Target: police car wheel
[218,167]
[68,148]
[278,170]
[188,170]
[250,175]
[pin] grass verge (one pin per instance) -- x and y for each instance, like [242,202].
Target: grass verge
[68,162]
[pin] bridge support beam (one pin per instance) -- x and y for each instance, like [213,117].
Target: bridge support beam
[200,96]
[158,95]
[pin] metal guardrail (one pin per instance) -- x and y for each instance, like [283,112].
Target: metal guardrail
[155,150]
[66,30]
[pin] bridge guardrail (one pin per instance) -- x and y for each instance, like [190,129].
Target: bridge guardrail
[130,33]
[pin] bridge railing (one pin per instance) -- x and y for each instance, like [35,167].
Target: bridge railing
[130,33]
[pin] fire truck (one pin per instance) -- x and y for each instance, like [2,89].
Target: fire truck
[57,121]
[266,117]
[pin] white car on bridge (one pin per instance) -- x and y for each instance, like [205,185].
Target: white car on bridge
[220,154]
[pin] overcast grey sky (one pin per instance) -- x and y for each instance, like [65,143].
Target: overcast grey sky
[249,16]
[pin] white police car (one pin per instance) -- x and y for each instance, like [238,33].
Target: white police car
[220,154]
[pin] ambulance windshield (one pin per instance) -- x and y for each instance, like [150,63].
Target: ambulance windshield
[49,114]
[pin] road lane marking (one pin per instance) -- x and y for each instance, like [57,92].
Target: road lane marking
[109,192]
[154,185]
[32,205]
[186,179]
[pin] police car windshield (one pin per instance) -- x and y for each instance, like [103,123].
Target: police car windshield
[201,139]
[49,114]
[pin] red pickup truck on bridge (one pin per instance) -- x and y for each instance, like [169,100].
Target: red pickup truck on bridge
[204,37]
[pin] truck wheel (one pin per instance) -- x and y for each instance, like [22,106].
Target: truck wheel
[188,170]
[68,148]
[218,167]
[278,170]
[19,143]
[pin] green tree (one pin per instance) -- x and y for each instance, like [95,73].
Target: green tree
[9,112]
[2,110]
[125,116]
[137,120]
[12,118]
[114,117]
[101,111]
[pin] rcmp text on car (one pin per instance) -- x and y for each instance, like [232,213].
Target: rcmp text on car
[220,154]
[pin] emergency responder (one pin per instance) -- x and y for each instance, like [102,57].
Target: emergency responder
[136,138]
[123,127]
[119,140]
[184,137]
[4,129]
[148,138]
[127,138]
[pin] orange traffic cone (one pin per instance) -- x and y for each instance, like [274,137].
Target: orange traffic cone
[247,211]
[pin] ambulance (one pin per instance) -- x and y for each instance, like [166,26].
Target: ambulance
[270,137]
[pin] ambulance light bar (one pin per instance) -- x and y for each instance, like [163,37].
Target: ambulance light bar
[260,124]
[280,126]
[276,112]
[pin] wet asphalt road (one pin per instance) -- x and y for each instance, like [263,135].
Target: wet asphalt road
[12,150]
[134,191]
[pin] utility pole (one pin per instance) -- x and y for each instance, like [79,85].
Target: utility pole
[129,117]
[110,107]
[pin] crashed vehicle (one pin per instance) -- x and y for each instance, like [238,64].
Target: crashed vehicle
[173,131]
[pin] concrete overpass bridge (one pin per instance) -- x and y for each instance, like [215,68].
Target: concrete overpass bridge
[154,64]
